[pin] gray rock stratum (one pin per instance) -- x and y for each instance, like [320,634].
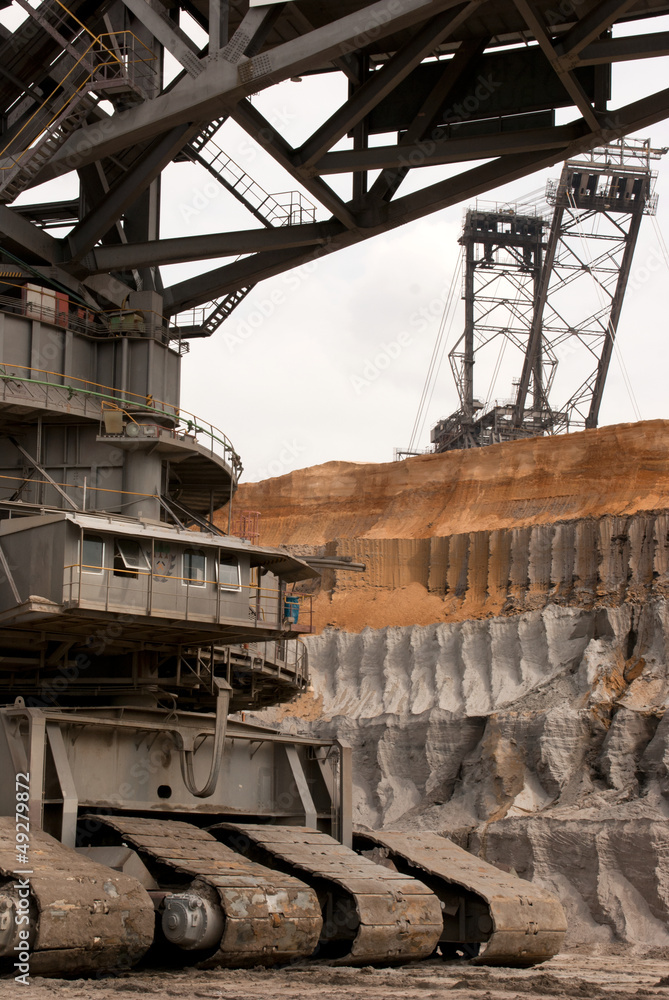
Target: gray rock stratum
[538,741]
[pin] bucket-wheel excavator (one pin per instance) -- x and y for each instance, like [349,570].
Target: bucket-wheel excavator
[142,818]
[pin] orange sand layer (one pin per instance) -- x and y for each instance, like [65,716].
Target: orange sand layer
[618,469]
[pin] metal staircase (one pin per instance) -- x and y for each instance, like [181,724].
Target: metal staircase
[286,209]
[222,309]
[185,517]
[111,64]
[208,132]
[16,178]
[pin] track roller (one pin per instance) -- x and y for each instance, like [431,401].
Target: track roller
[214,904]
[82,917]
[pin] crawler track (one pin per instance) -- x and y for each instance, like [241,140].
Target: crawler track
[84,917]
[518,923]
[371,914]
[269,917]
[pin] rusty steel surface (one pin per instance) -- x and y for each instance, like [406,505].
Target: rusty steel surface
[528,923]
[269,917]
[85,917]
[391,917]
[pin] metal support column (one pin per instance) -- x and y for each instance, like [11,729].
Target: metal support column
[616,308]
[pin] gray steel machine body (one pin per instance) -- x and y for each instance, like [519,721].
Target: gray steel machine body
[110,621]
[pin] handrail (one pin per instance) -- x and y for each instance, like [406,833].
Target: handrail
[165,331]
[254,593]
[87,487]
[265,591]
[191,424]
[88,83]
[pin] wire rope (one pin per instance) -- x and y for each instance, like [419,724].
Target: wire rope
[437,352]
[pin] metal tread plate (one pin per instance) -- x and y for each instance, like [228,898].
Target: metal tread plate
[397,917]
[269,917]
[528,922]
[85,916]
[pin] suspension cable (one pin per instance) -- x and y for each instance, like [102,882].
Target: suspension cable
[437,354]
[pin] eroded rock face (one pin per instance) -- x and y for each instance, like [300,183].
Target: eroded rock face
[538,741]
[611,874]
[500,668]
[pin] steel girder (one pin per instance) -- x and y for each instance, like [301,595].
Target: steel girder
[418,69]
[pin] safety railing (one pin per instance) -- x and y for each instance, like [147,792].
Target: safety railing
[246,525]
[110,62]
[288,208]
[121,59]
[51,308]
[111,590]
[79,494]
[605,197]
[90,398]
[58,309]
[286,658]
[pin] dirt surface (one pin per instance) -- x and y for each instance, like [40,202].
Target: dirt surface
[618,469]
[567,976]
[374,607]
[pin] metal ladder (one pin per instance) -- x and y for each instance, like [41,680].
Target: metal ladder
[286,209]
[15,179]
[98,63]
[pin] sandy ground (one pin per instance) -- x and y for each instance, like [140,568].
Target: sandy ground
[617,469]
[566,976]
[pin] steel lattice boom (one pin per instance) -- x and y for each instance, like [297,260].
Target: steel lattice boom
[83,92]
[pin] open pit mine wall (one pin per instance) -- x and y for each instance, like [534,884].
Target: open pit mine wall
[620,469]
[607,559]
[537,740]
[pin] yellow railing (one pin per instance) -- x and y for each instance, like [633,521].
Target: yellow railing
[123,62]
[258,608]
[188,424]
[83,488]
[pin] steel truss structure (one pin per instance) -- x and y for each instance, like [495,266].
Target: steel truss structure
[552,297]
[599,202]
[502,270]
[430,82]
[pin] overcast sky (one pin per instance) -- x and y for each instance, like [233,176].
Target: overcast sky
[294,377]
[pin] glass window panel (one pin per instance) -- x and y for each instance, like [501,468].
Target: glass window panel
[92,553]
[132,555]
[228,573]
[194,567]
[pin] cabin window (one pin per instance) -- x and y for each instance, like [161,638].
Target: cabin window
[92,553]
[194,567]
[129,558]
[229,576]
